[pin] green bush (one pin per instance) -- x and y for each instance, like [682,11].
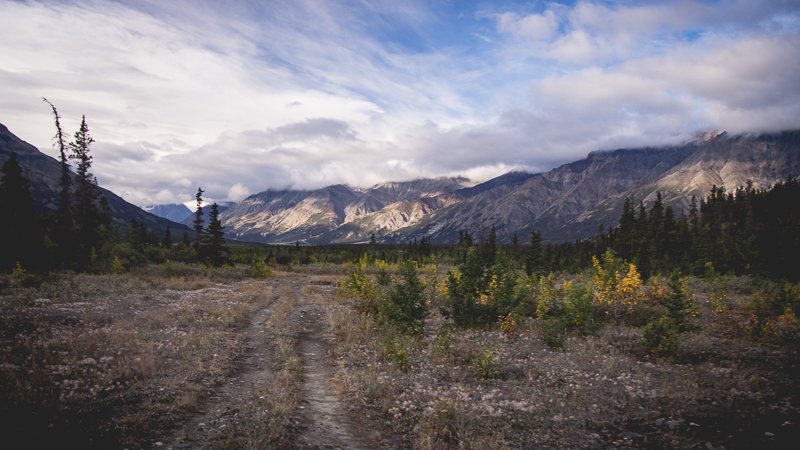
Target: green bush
[554,333]
[486,367]
[360,287]
[117,267]
[259,269]
[661,337]
[397,349]
[443,343]
[578,310]
[405,305]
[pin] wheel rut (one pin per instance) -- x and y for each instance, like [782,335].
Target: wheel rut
[221,409]
[321,419]
[325,419]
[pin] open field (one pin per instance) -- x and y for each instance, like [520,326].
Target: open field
[212,359]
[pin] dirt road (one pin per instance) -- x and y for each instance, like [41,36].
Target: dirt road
[319,419]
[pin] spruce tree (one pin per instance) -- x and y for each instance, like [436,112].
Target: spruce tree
[214,249]
[198,219]
[20,232]
[167,240]
[624,241]
[89,217]
[533,260]
[63,228]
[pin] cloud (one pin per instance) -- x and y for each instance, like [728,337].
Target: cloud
[539,27]
[304,93]
[237,192]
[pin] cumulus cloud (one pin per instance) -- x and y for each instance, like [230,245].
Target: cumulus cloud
[302,93]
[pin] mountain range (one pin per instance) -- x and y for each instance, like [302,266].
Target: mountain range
[567,203]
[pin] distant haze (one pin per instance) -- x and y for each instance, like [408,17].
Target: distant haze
[240,97]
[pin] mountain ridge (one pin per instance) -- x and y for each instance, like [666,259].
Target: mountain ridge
[566,203]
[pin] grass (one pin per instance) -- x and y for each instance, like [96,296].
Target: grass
[105,361]
[720,388]
[116,361]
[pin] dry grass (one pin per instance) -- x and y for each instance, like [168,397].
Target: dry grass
[115,360]
[721,390]
[264,420]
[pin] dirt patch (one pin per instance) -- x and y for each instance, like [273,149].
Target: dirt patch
[324,419]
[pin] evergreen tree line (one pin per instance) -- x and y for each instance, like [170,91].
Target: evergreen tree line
[68,239]
[744,231]
[79,234]
[747,231]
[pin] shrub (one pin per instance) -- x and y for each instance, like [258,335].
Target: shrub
[770,313]
[661,337]
[545,295]
[404,305]
[397,349]
[360,287]
[554,333]
[18,272]
[443,343]
[578,311]
[508,324]
[259,269]
[784,329]
[615,293]
[486,368]
[117,267]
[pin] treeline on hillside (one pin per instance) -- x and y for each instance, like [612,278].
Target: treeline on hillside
[79,235]
[744,231]
[747,231]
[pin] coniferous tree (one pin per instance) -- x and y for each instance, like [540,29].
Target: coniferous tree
[534,258]
[185,239]
[625,240]
[489,248]
[166,241]
[215,251]
[63,228]
[89,216]
[198,219]
[20,231]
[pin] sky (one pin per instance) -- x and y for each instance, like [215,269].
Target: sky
[243,96]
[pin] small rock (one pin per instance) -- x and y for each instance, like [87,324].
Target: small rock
[660,422]
[692,424]
[768,434]
[159,444]
[631,436]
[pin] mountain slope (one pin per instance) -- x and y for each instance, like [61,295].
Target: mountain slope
[337,213]
[176,212]
[43,173]
[567,203]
